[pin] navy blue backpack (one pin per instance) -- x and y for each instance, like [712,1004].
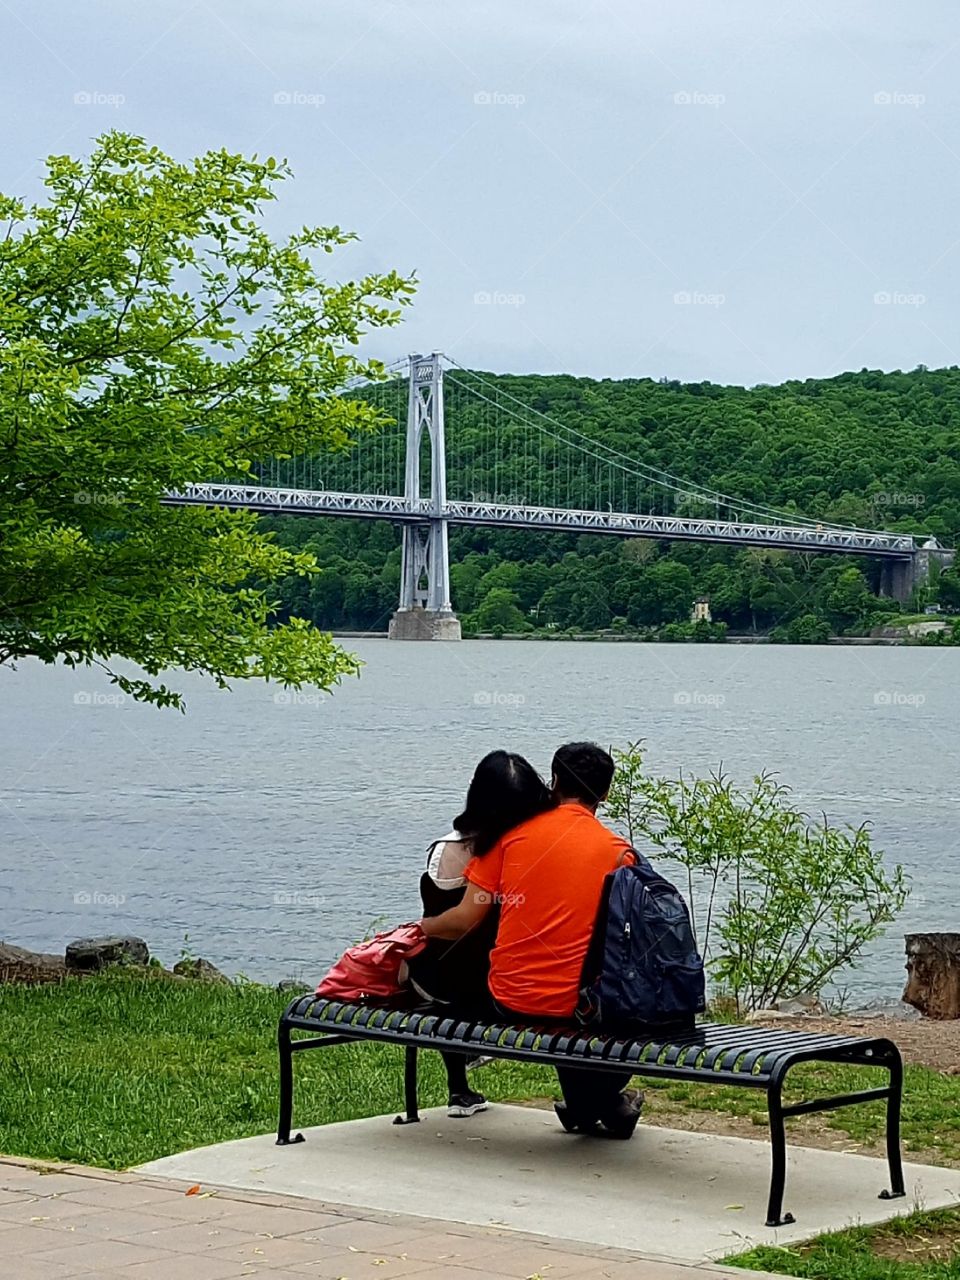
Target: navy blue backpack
[642,965]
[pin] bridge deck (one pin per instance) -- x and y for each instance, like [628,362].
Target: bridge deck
[273,501]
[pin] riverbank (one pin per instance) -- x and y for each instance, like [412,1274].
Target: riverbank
[603,637]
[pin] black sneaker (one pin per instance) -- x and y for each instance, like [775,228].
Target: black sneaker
[465,1104]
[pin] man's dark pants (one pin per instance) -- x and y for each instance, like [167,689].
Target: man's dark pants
[589,1094]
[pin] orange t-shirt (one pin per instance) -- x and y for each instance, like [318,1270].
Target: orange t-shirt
[547,875]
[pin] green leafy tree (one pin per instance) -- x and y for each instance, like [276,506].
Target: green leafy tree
[807,629]
[465,578]
[850,600]
[499,611]
[152,335]
[662,592]
[948,589]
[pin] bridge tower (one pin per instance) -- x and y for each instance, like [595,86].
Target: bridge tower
[425,611]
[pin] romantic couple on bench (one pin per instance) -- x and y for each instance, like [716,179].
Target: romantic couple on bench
[547,939]
[511,899]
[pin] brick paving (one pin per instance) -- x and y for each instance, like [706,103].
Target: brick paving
[61,1222]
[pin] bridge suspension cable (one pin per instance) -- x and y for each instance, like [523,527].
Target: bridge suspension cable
[608,455]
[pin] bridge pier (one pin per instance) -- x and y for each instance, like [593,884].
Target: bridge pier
[900,578]
[423,624]
[897,579]
[425,611]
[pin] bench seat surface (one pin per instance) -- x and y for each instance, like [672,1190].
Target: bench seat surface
[746,1054]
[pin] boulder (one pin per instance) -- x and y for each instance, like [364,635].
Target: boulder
[17,964]
[766,1015]
[797,1006]
[293,984]
[888,1010]
[200,970]
[88,955]
[933,974]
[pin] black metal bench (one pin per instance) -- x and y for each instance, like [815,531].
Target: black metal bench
[752,1057]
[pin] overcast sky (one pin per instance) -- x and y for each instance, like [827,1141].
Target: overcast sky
[739,190]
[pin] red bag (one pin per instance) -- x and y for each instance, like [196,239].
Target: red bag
[372,968]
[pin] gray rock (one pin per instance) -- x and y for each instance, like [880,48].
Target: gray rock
[766,1015]
[200,970]
[17,964]
[293,984]
[894,1010]
[798,1006]
[87,955]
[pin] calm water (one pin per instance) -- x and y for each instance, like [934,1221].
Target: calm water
[273,831]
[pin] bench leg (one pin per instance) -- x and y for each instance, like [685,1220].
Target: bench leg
[286,1089]
[409,1087]
[778,1151]
[894,1159]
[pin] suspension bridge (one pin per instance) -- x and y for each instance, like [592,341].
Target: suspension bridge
[517,467]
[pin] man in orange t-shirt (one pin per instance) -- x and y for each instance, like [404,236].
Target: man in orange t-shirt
[547,877]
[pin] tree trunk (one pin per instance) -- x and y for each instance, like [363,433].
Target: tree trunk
[933,974]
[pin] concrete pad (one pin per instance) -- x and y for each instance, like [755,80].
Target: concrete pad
[681,1196]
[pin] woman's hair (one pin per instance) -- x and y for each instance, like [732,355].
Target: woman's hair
[505,790]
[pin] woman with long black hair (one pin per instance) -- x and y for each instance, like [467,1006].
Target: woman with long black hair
[505,790]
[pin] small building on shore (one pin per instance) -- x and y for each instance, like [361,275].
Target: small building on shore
[701,610]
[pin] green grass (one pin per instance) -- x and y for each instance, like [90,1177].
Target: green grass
[116,1070]
[923,1246]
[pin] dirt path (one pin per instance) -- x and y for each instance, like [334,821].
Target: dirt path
[928,1043]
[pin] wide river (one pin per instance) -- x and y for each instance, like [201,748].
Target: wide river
[271,831]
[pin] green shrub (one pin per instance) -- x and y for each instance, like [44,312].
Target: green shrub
[780,904]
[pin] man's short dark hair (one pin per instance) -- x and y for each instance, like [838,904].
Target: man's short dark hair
[583,771]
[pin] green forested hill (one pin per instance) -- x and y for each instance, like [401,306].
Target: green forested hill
[880,450]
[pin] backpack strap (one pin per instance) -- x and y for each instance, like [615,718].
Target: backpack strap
[593,960]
